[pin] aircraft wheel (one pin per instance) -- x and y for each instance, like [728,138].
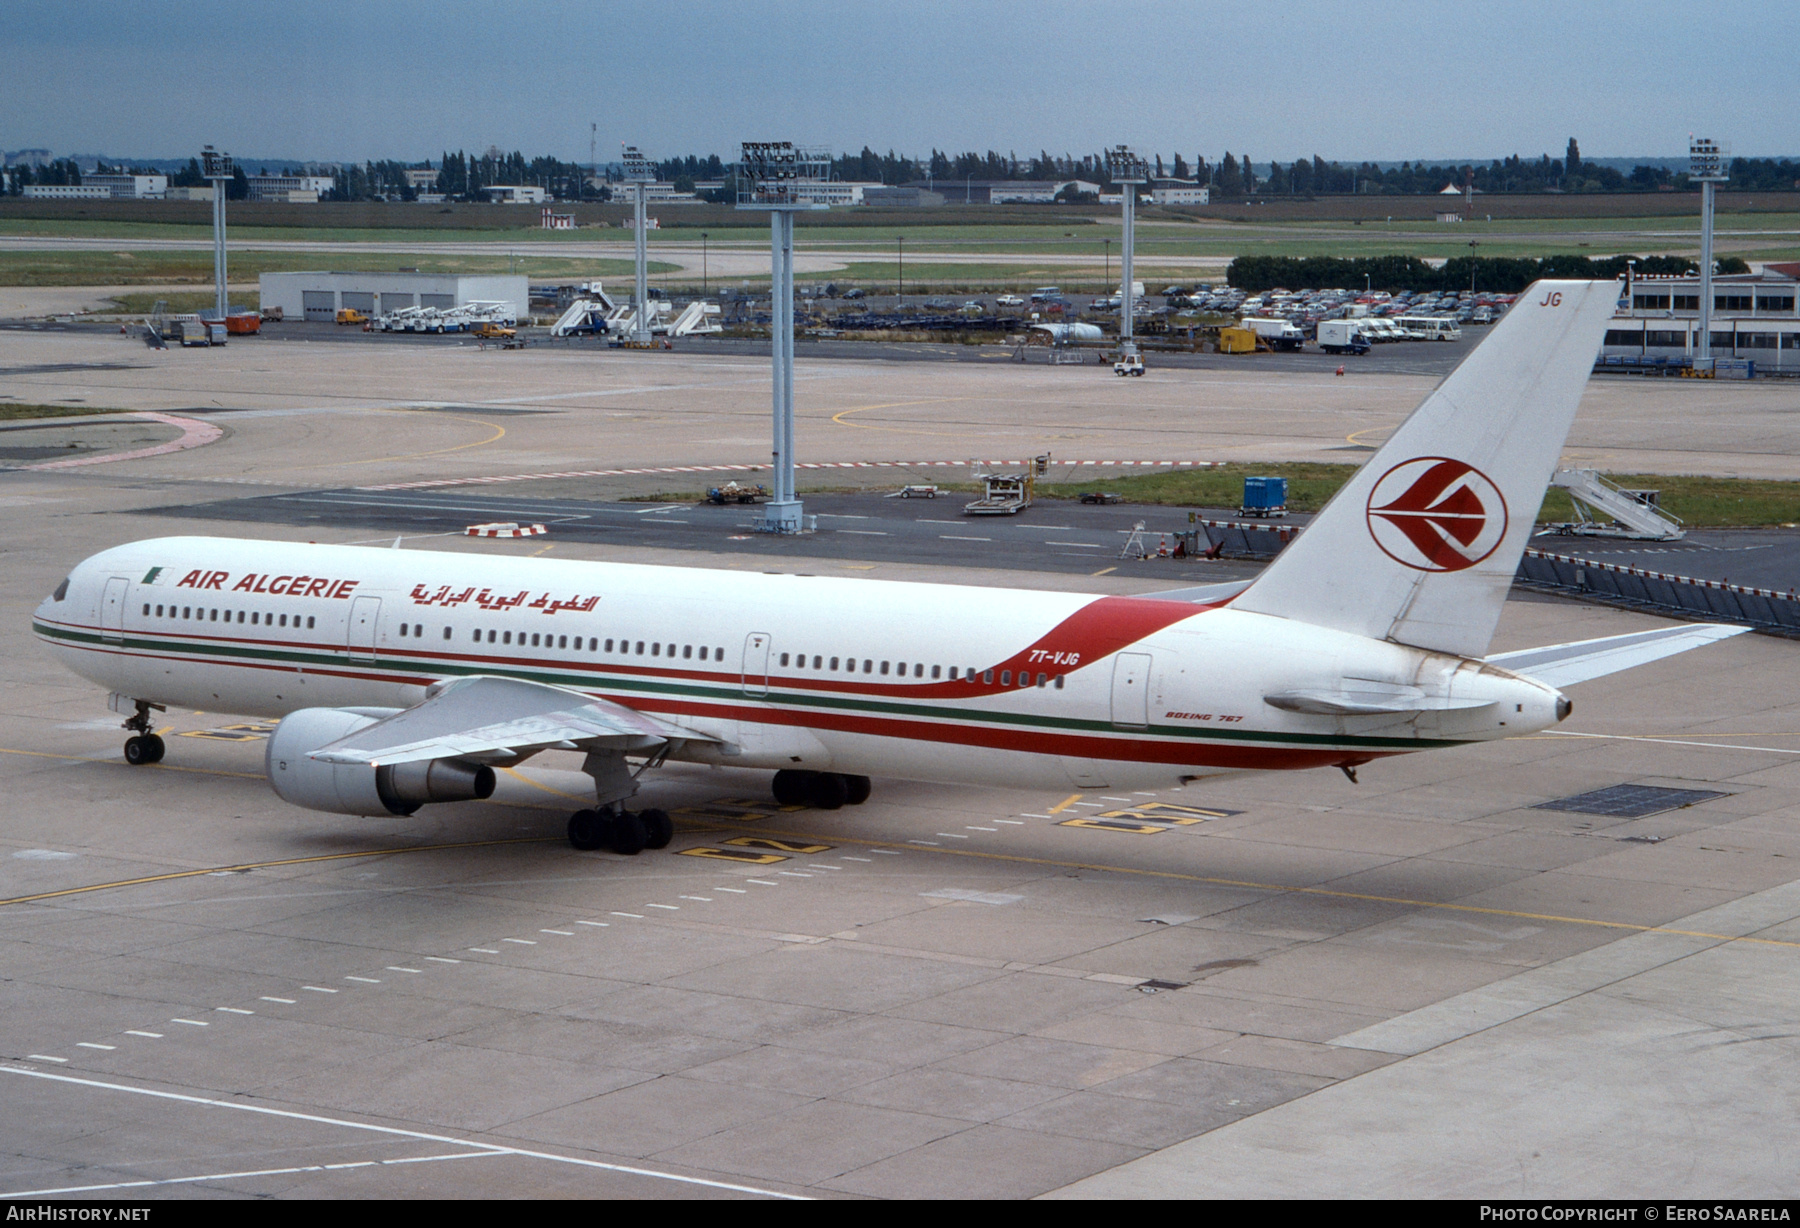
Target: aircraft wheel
[827,791]
[629,835]
[856,790]
[138,752]
[790,787]
[659,827]
[588,830]
[155,746]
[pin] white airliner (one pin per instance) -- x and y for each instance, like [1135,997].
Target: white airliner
[406,677]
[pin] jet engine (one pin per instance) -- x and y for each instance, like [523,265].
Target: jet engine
[397,788]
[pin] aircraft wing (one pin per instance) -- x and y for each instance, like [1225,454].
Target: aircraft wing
[491,716]
[1559,665]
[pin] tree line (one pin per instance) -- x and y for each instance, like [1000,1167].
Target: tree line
[1495,274]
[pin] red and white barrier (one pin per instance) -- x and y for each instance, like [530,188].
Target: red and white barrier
[508,528]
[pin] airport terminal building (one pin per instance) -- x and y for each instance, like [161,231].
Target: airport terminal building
[1753,318]
[320,296]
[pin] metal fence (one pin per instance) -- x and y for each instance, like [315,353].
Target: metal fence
[1617,584]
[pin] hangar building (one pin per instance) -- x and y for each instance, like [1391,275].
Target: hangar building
[319,296]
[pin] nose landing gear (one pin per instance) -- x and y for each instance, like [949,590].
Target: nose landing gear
[143,746]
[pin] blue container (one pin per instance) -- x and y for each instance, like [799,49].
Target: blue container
[1264,494]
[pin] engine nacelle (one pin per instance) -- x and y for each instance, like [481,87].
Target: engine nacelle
[398,788]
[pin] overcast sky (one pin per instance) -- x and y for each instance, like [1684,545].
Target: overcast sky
[1281,79]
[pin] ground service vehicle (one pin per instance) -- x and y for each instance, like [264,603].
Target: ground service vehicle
[350,315]
[1343,337]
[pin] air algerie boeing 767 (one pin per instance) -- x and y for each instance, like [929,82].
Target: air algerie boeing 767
[406,677]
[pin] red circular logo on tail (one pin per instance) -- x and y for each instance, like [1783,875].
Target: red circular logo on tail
[1432,513]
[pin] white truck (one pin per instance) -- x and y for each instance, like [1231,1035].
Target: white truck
[1276,334]
[1343,337]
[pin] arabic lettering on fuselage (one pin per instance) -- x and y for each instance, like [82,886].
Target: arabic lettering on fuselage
[497,603]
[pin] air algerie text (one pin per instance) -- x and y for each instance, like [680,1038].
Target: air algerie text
[278,586]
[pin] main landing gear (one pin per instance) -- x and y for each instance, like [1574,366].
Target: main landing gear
[143,746]
[621,830]
[820,790]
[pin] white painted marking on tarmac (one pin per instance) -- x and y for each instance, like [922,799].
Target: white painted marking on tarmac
[819,865]
[365,980]
[524,942]
[398,968]
[1029,816]
[733,890]
[43,1057]
[1091,805]
[391,1131]
[848,858]
[151,1035]
[703,899]
[955,522]
[886,852]
[665,907]
[600,925]
[88,1044]
[439,959]
[1105,798]
[353,1164]
[283,1001]
[792,874]
[564,933]
[192,1023]
[635,916]
[460,1155]
[950,835]
[1143,792]
[957,537]
[318,989]
[933,843]
[863,532]
[972,827]
[1019,823]
[761,882]
[485,950]
[1625,737]
[234,1010]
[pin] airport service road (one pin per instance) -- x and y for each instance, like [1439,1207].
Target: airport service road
[1063,535]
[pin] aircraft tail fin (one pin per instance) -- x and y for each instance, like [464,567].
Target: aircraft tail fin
[1421,546]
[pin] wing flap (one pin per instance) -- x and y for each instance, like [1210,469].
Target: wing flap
[487,716]
[1561,665]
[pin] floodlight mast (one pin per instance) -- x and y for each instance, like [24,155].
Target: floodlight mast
[219,170]
[1707,164]
[639,172]
[773,175]
[1127,170]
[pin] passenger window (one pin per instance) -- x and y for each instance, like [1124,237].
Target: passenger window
[784,658]
[868,666]
[446,633]
[477,634]
[215,616]
[240,616]
[935,671]
[284,620]
[146,609]
[1043,679]
[562,641]
[918,671]
[834,664]
[987,678]
[403,629]
[640,648]
[309,621]
[884,669]
[1006,677]
[609,645]
[656,650]
[718,654]
[506,638]
[1059,682]
[490,637]
[687,653]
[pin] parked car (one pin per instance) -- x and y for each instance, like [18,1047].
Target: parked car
[856,292]
[1009,300]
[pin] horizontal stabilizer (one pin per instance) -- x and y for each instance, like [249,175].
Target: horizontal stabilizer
[1368,699]
[489,716]
[1559,665]
[1202,594]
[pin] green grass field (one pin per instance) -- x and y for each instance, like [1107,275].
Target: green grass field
[10,412]
[142,268]
[1700,502]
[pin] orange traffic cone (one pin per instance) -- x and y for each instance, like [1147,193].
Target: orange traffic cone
[1340,370]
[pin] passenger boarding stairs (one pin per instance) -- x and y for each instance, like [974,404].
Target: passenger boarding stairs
[696,317]
[1603,509]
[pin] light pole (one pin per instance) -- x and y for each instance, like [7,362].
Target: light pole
[702,264]
[1473,244]
[219,171]
[1706,163]
[1127,171]
[773,173]
[900,275]
[638,173]
[1107,276]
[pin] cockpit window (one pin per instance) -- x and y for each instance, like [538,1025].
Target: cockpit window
[62,590]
